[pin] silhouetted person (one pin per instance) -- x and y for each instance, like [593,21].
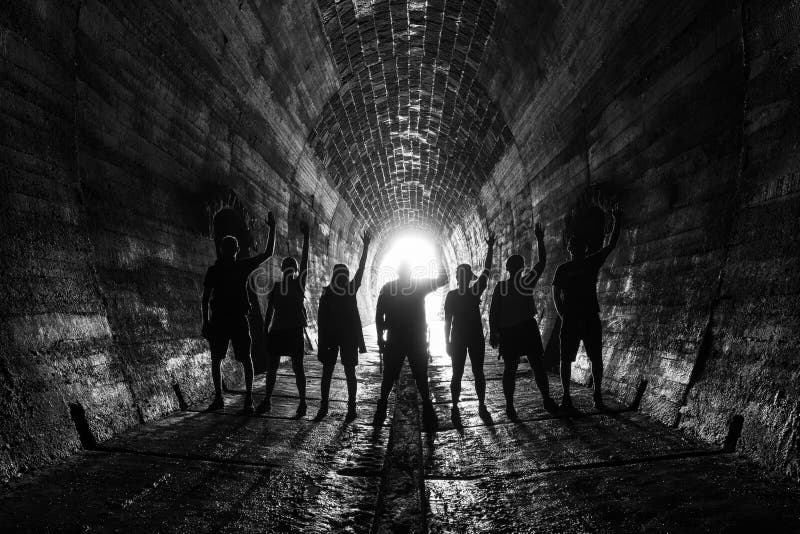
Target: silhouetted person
[225,295]
[340,332]
[575,297]
[400,317]
[286,320]
[463,328]
[513,326]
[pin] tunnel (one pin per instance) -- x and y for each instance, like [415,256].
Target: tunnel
[137,134]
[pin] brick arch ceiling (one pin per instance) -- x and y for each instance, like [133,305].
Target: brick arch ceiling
[411,135]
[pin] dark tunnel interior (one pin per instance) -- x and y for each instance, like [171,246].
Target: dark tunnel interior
[135,135]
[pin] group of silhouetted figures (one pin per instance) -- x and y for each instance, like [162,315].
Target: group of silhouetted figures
[401,323]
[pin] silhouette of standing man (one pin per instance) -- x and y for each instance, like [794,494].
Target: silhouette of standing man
[513,326]
[286,320]
[575,297]
[400,316]
[225,294]
[340,331]
[463,328]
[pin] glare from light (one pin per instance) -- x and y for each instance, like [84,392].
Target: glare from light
[416,250]
[419,252]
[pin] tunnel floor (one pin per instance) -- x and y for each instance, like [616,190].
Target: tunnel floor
[617,471]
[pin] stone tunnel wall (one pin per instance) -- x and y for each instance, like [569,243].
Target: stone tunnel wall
[129,125]
[749,364]
[686,113]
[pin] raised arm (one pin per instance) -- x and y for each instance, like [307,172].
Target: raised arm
[533,275]
[483,279]
[380,319]
[601,255]
[304,258]
[253,262]
[270,250]
[428,285]
[494,316]
[356,283]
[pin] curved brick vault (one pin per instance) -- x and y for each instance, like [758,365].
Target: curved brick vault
[125,123]
[411,136]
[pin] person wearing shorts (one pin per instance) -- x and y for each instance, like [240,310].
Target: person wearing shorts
[513,327]
[340,332]
[402,333]
[286,322]
[575,298]
[225,296]
[463,328]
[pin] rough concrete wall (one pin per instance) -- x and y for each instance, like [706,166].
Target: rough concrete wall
[643,103]
[129,124]
[749,376]
[56,342]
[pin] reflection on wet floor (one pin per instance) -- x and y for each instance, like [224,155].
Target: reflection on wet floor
[616,471]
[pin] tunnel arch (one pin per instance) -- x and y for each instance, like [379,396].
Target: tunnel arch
[411,136]
[125,115]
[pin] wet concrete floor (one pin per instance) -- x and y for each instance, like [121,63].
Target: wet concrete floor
[616,471]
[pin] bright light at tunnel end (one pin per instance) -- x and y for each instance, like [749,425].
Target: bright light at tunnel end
[415,249]
[418,250]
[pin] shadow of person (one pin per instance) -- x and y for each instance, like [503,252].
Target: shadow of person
[568,410]
[485,416]
[455,417]
[430,421]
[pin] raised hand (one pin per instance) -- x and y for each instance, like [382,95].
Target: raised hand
[490,240]
[538,231]
[367,238]
[616,212]
[304,228]
[270,220]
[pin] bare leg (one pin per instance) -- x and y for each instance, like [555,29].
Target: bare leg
[566,377]
[325,387]
[325,390]
[216,376]
[477,354]
[458,360]
[593,342]
[569,339]
[419,369]
[480,384]
[248,378]
[272,375]
[392,362]
[300,380]
[540,375]
[509,383]
[352,383]
[299,377]
[597,376]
